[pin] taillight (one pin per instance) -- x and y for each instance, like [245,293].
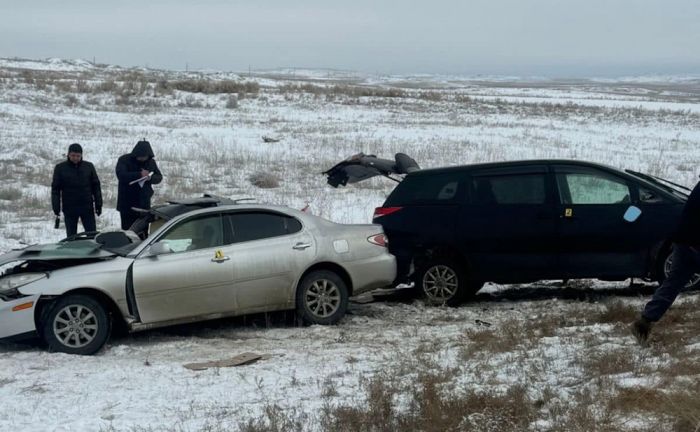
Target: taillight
[379,240]
[383,211]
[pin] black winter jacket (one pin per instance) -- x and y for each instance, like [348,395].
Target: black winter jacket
[688,232]
[129,169]
[75,188]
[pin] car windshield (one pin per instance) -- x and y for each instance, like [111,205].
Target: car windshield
[667,185]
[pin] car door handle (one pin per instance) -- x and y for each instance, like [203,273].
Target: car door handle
[221,259]
[301,246]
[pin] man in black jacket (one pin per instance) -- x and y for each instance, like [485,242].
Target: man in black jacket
[76,187]
[685,263]
[139,164]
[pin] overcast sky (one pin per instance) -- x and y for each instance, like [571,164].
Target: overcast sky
[505,37]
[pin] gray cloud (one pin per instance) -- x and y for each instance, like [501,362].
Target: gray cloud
[546,37]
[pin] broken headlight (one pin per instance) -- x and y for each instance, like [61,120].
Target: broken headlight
[9,284]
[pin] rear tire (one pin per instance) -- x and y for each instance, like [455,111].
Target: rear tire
[322,298]
[442,281]
[76,324]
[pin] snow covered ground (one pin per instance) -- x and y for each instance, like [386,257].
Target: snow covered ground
[567,347]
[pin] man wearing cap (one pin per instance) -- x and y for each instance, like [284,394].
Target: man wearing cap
[136,172]
[76,190]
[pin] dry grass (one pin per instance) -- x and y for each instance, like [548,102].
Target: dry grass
[264,180]
[427,408]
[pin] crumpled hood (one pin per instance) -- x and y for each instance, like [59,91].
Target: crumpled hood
[74,250]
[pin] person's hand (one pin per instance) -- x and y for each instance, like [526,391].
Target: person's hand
[144,173]
[98,211]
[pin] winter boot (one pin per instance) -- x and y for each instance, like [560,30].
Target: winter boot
[640,330]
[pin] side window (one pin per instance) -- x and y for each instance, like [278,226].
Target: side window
[200,233]
[648,196]
[509,189]
[590,188]
[261,225]
[434,188]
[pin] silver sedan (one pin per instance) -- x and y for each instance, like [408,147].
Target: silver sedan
[202,264]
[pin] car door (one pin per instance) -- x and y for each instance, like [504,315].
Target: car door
[270,251]
[193,279]
[508,227]
[594,238]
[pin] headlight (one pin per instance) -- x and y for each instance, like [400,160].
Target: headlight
[12,282]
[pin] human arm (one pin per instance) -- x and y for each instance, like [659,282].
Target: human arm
[96,191]
[123,173]
[56,192]
[157,177]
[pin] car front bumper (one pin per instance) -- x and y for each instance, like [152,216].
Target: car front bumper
[17,317]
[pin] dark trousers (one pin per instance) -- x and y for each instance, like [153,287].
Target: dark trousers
[686,262]
[128,218]
[87,217]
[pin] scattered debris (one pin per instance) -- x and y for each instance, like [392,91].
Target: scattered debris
[239,360]
[483,323]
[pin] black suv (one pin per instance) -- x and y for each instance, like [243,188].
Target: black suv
[452,229]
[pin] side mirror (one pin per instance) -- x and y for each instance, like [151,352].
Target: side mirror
[158,248]
[632,214]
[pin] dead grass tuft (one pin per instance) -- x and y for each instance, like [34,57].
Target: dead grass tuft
[264,180]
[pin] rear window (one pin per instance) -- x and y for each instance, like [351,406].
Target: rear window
[425,189]
[509,189]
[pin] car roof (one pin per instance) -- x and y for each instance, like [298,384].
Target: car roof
[510,164]
[535,162]
[243,207]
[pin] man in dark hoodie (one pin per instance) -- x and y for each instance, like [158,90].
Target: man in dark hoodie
[76,188]
[139,164]
[685,263]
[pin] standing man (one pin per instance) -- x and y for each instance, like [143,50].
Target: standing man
[132,167]
[686,262]
[76,187]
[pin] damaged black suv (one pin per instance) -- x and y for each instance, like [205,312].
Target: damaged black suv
[453,229]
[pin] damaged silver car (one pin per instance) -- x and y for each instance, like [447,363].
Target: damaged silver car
[203,259]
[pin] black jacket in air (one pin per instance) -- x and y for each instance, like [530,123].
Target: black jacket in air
[688,232]
[129,169]
[75,188]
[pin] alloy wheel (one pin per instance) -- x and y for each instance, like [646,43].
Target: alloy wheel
[440,283]
[322,298]
[75,326]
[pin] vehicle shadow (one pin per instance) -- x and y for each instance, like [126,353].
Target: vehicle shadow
[573,290]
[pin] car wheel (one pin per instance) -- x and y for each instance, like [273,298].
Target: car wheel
[694,281]
[322,298]
[76,324]
[443,282]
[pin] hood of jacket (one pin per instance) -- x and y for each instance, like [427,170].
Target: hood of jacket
[142,148]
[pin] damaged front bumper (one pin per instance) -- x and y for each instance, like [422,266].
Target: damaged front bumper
[17,317]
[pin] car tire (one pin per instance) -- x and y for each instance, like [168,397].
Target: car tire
[322,298]
[76,324]
[442,281]
[666,267]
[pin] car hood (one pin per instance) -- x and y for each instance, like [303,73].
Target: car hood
[77,250]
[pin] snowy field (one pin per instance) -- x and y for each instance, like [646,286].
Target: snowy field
[541,357]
